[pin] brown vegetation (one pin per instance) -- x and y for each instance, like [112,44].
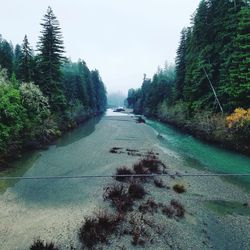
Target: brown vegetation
[115,150]
[159,183]
[118,195]
[123,171]
[97,229]
[179,188]
[40,245]
[150,206]
[136,190]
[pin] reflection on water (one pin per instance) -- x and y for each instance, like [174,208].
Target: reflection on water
[82,131]
[197,154]
[53,161]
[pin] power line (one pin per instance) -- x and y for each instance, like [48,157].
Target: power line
[113,176]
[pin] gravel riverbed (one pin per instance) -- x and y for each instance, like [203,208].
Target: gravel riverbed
[217,211]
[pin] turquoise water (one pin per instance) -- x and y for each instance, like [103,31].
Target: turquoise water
[200,155]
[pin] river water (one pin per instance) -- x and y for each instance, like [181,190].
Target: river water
[59,160]
[200,155]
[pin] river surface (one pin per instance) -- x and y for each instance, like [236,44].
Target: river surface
[200,155]
[57,161]
[85,151]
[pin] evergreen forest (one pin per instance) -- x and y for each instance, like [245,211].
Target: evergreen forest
[43,93]
[207,92]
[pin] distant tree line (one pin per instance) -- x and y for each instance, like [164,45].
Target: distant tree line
[44,93]
[211,75]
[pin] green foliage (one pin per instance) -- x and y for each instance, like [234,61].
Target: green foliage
[84,87]
[217,42]
[12,114]
[42,95]
[50,59]
[6,55]
[152,93]
[36,104]
[25,62]
[237,87]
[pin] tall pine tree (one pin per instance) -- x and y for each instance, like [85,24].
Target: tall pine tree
[238,86]
[51,57]
[26,61]
[180,62]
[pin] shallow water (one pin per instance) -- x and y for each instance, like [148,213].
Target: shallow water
[65,158]
[85,151]
[199,155]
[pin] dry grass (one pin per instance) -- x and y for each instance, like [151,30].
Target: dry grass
[136,191]
[179,188]
[150,206]
[40,245]
[118,195]
[123,171]
[98,229]
[159,183]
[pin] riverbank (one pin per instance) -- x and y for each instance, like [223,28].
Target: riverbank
[209,128]
[216,216]
[42,137]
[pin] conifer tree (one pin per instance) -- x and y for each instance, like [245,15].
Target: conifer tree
[238,86]
[51,51]
[6,55]
[26,61]
[180,62]
[17,61]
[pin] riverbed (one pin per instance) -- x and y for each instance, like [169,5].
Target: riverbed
[217,208]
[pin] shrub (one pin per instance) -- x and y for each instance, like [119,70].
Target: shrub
[238,118]
[119,197]
[179,208]
[239,126]
[175,209]
[150,206]
[123,171]
[136,191]
[34,101]
[115,150]
[137,239]
[178,188]
[168,211]
[40,245]
[13,115]
[159,183]
[97,229]
[153,164]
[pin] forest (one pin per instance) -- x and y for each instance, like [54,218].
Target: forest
[207,92]
[43,94]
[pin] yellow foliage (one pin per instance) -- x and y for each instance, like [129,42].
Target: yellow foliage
[238,118]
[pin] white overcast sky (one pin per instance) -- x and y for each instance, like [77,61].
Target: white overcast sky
[123,39]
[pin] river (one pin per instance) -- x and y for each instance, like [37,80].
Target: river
[84,151]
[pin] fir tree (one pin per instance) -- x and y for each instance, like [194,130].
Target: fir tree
[51,57]
[17,61]
[26,61]
[238,87]
[180,62]
[6,55]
